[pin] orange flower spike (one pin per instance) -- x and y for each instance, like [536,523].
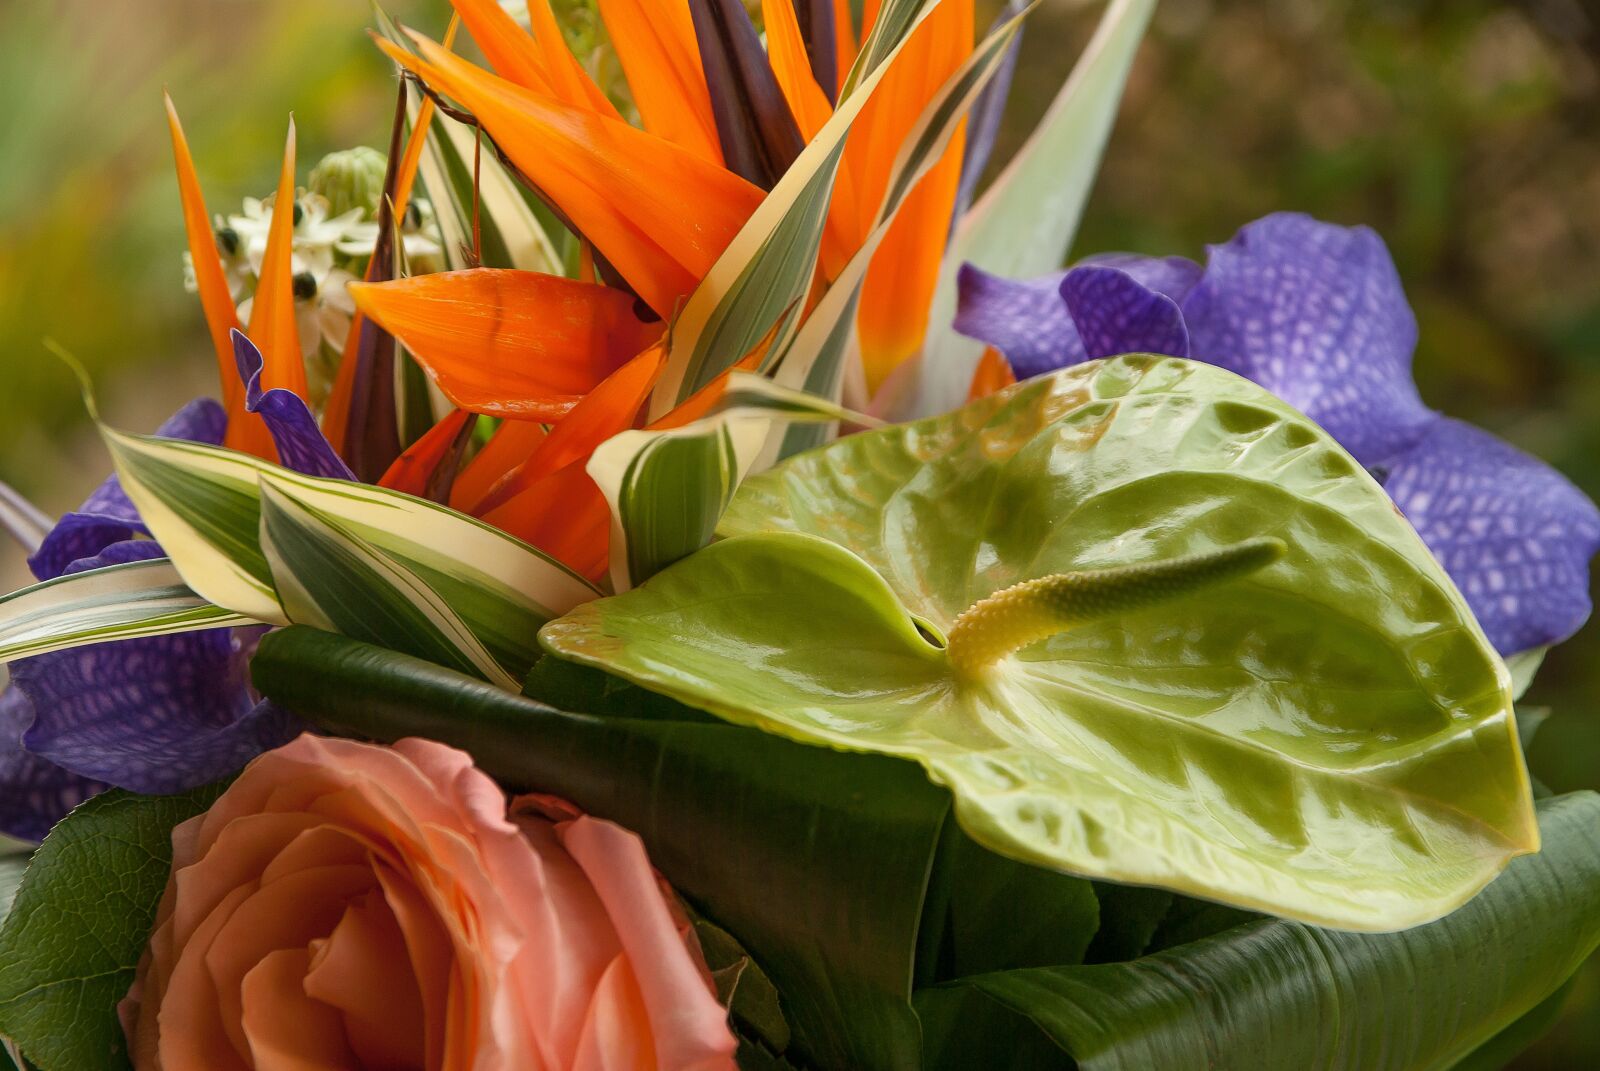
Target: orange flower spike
[272,320]
[507,343]
[416,470]
[660,214]
[216,299]
[993,373]
[564,515]
[905,270]
[510,50]
[655,41]
[786,48]
[570,81]
[844,41]
[512,444]
[608,409]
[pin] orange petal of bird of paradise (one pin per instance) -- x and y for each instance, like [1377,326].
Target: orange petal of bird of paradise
[565,515]
[509,343]
[905,270]
[656,43]
[993,373]
[660,214]
[216,299]
[272,321]
[512,443]
[605,411]
[417,466]
[539,60]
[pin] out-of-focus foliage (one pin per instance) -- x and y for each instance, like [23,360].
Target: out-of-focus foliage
[1467,132]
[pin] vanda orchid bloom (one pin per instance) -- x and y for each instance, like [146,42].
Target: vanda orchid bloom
[1316,314]
[567,363]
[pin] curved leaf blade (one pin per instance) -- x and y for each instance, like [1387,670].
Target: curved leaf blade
[1278,994]
[118,602]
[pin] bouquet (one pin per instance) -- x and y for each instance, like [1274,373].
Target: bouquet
[677,577]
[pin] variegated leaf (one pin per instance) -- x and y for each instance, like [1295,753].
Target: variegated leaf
[118,602]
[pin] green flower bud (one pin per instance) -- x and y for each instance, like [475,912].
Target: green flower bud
[350,178]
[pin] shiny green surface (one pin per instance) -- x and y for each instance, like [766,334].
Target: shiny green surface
[1329,739]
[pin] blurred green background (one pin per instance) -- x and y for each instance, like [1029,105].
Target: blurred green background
[1466,132]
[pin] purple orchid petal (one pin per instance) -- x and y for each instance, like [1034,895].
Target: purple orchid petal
[1115,313]
[1025,319]
[1173,276]
[107,516]
[1513,533]
[1316,314]
[155,715]
[301,444]
[37,794]
[158,714]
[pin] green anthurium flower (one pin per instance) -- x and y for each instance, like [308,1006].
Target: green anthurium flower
[1146,622]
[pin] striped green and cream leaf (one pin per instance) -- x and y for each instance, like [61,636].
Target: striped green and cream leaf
[1025,222]
[815,361]
[330,578]
[118,602]
[757,289]
[667,488]
[204,504]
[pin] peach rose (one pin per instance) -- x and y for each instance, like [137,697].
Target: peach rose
[344,905]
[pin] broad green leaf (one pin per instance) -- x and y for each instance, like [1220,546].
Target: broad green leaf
[12,868]
[757,288]
[816,359]
[203,504]
[81,918]
[667,488]
[1329,738]
[1279,995]
[329,578]
[1025,222]
[815,861]
[118,602]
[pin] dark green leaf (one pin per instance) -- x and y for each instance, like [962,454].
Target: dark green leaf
[1281,995]
[817,861]
[74,936]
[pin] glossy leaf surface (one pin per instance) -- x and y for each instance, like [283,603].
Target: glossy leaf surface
[1280,996]
[1329,739]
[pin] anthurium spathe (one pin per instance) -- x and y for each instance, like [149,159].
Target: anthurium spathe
[1231,668]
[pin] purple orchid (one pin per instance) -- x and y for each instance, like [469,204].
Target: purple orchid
[154,715]
[1316,314]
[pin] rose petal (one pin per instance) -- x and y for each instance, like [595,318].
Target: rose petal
[287,1029]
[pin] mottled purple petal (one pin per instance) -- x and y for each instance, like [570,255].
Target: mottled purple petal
[1513,533]
[1173,276]
[107,516]
[301,444]
[1316,314]
[155,715]
[34,794]
[1025,319]
[1115,313]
